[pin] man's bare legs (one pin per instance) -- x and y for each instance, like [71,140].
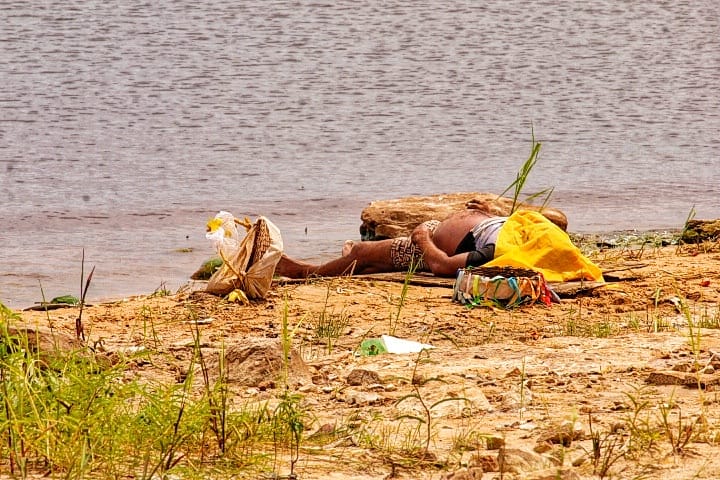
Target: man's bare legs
[374,256]
[361,258]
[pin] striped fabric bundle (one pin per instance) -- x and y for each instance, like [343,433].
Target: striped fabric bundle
[505,287]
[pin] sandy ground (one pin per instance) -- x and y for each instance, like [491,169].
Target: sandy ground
[532,385]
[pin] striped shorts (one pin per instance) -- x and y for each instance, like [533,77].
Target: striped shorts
[403,252]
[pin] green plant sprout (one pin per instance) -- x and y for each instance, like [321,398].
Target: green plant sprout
[395,319]
[417,394]
[686,227]
[518,184]
[330,325]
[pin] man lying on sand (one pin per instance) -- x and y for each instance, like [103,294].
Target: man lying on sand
[468,238]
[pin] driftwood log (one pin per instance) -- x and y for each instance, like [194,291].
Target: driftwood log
[395,218]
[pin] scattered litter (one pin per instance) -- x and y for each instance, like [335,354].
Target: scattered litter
[135,349]
[201,321]
[67,299]
[677,302]
[238,296]
[527,426]
[63,301]
[390,344]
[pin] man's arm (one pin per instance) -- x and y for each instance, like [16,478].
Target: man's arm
[439,262]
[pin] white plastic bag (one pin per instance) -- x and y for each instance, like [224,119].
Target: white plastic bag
[248,263]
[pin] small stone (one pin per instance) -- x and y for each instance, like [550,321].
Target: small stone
[562,434]
[557,455]
[669,378]
[542,447]
[521,461]
[553,474]
[487,462]
[494,442]
[325,429]
[514,401]
[361,399]
[319,378]
[474,473]
[527,426]
[708,369]
[618,427]
[578,458]
[681,367]
[363,377]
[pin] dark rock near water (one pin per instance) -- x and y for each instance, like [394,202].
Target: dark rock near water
[697,231]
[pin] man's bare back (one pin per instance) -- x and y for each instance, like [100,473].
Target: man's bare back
[450,232]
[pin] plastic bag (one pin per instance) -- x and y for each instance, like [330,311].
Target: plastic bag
[248,263]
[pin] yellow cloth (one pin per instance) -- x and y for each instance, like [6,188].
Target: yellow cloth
[529,240]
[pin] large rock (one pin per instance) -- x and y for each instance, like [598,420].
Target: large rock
[258,362]
[398,217]
[42,340]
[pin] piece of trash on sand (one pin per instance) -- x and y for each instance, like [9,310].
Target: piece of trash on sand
[372,346]
[201,321]
[390,344]
[135,349]
[237,296]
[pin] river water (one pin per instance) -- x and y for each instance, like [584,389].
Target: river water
[125,125]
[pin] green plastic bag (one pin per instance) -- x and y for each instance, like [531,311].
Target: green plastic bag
[372,346]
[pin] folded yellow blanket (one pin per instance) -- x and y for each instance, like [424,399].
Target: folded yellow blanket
[529,240]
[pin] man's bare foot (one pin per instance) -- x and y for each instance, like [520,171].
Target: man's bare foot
[347,246]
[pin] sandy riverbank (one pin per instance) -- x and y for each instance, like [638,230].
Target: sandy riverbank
[595,362]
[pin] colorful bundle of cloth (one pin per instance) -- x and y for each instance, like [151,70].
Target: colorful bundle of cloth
[501,287]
